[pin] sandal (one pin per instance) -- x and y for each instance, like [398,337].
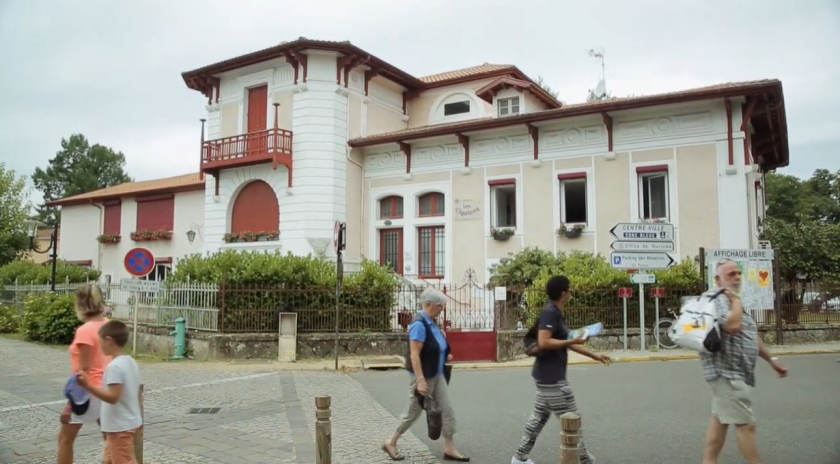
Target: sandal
[395,456]
[459,458]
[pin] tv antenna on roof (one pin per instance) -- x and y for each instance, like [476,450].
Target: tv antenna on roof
[601,89]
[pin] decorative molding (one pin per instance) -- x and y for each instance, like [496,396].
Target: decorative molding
[283,75]
[664,125]
[572,136]
[213,108]
[435,155]
[385,160]
[342,91]
[300,88]
[500,145]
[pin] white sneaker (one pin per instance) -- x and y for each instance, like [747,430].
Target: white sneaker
[513,460]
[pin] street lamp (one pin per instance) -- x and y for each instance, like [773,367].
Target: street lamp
[52,249]
[191,233]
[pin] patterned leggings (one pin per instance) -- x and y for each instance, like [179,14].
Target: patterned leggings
[553,398]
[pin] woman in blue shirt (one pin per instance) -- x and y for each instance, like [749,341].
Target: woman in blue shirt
[427,355]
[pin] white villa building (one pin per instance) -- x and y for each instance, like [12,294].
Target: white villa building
[423,170]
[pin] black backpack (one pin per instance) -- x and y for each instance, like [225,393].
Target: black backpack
[530,341]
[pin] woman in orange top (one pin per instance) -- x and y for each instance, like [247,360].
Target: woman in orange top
[85,356]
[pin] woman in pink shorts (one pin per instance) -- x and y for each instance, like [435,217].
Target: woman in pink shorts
[85,356]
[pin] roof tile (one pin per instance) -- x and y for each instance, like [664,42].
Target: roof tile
[466,72]
[136,188]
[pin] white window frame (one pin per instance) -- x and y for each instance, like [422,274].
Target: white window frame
[410,222]
[648,176]
[247,83]
[509,104]
[167,272]
[456,115]
[490,203]
[671,187]
[559,215]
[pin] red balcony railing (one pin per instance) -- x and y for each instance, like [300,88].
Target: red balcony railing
[274,145]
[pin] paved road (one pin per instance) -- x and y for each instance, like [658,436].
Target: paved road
[265,416]
[639,412]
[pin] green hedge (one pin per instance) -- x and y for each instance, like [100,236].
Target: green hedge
[9,319]
[255,286]
[30,273]
[594,285]
[49,318]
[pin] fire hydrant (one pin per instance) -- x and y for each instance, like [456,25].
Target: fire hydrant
[180,334]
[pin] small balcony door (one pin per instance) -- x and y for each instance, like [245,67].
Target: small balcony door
[391,249]
[257,138]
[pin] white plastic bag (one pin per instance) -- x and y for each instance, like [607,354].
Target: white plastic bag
[698,317]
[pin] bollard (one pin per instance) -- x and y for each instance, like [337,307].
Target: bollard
[323,430]
[180,334]
[569,438]
[138,434]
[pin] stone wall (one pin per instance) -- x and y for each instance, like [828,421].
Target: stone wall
[205,346]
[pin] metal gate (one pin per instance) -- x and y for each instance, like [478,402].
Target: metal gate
[470,322]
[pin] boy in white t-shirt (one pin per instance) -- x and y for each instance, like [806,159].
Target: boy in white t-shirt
[120,394]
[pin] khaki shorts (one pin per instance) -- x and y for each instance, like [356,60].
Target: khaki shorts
[119,447]
[731,401]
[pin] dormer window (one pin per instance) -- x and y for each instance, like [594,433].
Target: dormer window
[461,107]
[508,106]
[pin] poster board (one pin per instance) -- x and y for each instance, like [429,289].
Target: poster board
[757,292]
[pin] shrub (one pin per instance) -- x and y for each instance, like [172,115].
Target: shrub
[595,290]
[9,319]
[50,318]
[255,286]
[30,273]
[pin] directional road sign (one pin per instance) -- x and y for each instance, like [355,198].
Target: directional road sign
[643,246]
[138,285]
[642,261]
[139,262]
[644,231]
[643,278]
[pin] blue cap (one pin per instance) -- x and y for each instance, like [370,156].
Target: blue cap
[77,396]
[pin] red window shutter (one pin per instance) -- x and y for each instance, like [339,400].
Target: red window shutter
[652,169]
[113,216]
[255,209]
[156,213]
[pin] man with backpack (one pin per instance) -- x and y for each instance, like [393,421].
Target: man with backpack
[730,370]
[550,350]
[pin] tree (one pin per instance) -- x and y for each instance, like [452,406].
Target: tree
[790,198]
[541,82]
[14,210]
[77,168]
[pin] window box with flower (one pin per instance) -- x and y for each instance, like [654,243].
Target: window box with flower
[109,238]
[262,236]
[151,235]
[502,234]
[570,230]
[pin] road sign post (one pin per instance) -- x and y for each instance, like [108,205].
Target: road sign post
[657,293]
[339,244]
[641,247]
[139,262]
[624,293]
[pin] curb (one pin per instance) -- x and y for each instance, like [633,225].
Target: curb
[636,359]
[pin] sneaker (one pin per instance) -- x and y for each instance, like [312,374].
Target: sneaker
[513,460]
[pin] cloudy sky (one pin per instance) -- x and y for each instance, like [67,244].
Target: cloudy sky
[111,69]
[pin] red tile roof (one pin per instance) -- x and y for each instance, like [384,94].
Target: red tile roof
[182,183]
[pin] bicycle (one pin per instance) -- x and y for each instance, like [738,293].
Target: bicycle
[662,329]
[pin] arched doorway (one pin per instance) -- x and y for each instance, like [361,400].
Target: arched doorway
[255,209]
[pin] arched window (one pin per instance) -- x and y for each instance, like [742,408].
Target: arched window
[431,204]
[255,209]
[391,207]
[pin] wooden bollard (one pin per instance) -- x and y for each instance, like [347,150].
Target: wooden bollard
[138,435]
[570,438]
[323,430]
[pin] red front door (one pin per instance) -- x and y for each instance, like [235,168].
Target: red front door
[391,249]
[257,110]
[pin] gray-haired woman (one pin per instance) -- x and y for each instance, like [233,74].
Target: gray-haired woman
[427,354]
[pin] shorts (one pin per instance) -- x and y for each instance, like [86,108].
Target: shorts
[119,447]
[91,415]
[731,401]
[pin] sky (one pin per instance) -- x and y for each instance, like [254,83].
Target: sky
[111,70]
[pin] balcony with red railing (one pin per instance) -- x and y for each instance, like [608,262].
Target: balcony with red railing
[272,145]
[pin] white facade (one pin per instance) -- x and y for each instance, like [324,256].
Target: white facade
[82,224]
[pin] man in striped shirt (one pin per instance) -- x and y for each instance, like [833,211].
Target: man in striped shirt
[554,396]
